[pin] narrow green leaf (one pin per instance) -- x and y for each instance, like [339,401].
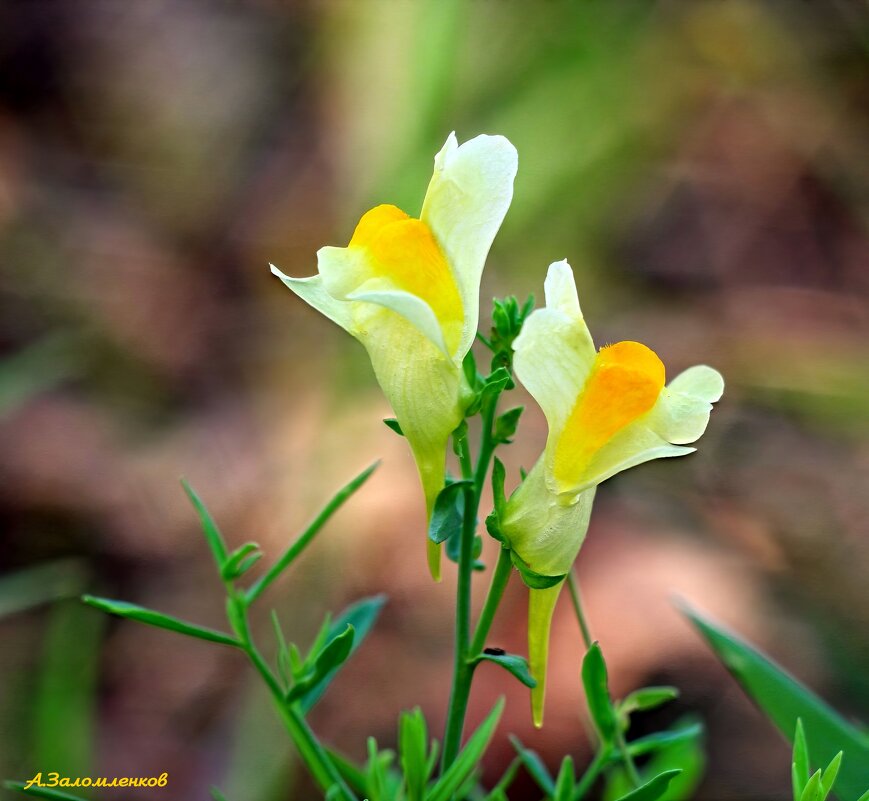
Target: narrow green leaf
[812,791]
[647,698]
[333,655]
[499,791]
[506,424]
[290,555]
[362,616]
[566,780]
[209,527]
[393,424]
[800,768]
[353,775]
[864,797]
[240,561]
[664,739]
[654,789]
[468,759]
[413,751]
[600,706]
[513,663]
[535,767]
[446,517]
[828,779]
[469,367]
[152,618]
[783,699]
[41,792]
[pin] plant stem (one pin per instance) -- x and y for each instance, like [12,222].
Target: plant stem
[462,671]
[627,759]
[590,776]
[311,751]
[500,577]
[573,584]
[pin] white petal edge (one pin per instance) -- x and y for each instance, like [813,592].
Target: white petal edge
[464,206]
[312,291]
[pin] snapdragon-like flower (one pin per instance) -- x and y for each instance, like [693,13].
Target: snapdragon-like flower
[408,290]
[607,410]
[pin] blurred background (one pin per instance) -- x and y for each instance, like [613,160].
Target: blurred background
[703,166]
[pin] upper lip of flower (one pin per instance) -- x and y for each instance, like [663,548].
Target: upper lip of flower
[607,410]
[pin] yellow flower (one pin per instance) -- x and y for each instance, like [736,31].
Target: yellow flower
[607,410]
[408,289]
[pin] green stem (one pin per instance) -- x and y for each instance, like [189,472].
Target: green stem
[573,584]
[500,577]
[311,751]
[590,776]
[627,759]
[462,671]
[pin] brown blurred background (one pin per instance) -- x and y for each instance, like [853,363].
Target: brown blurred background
[703,165]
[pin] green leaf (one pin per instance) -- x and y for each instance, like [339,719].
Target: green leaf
[566,781]
[290,555]
[800,768]
[353,775]
[468,759]
[240,561]
[328,660]
[446,517]
[413,747]
[469,367]
[393,424]
[654,789]
[783,699]
[647,698]
[506,425]
[600,706]
[209,527]
[535,767]
[362,616]
[499,791]
[828,779]
[217,795]
[664,739]
[41,792]
[864,797]
[152,618]
[812,791]
[513,663]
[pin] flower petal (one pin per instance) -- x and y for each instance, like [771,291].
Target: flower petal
[312,291]
[465,204]
[554,353]
[679,417]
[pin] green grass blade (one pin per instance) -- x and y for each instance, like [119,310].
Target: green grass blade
[535,767]
[41,584]
[290,555]
[158,619]
[66,690]
[800,768]
[42,792]
[600,706]
[468,759]
[783,699]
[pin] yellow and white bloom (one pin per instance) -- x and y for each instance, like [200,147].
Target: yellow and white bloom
[607,410]
[408,290]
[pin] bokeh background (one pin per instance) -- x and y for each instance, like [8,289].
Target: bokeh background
[704,167]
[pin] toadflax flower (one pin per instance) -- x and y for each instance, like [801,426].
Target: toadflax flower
[607,410]
[408,290]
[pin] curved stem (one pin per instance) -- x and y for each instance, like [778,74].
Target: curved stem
[310,749]
[500,577]
[590,776]
[573,583]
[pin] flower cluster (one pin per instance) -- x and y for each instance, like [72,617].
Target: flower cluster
[408,289]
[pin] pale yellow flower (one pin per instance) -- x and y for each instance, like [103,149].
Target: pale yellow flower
[607,410]
[408,289]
